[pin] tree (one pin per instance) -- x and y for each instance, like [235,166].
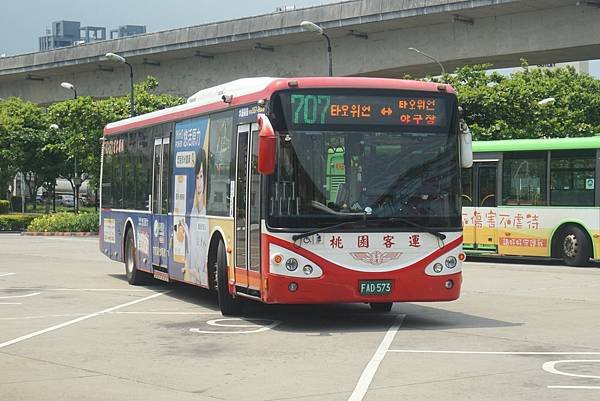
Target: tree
[83,120]
[23,135]
[506,107]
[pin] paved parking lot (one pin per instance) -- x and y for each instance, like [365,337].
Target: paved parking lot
[71,328]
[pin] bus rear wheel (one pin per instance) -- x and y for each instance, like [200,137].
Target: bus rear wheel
[134,276]
[381,306]
[575,246]
[229,305]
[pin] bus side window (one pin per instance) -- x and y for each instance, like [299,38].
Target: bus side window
[467,186]
[524,179]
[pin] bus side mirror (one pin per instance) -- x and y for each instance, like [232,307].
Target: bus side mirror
[466,145]
[267,145]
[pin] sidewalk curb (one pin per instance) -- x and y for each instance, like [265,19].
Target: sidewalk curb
[59,234]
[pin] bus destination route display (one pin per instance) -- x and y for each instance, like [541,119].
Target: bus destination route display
[413,110]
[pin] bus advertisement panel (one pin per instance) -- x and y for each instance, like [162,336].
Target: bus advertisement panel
[363,204]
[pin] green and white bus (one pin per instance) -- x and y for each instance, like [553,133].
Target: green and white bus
[534,197]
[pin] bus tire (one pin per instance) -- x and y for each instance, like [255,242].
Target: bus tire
[229,305]
[134,276]
[381,306]
[575,246]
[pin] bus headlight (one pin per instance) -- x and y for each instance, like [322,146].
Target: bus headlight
[451,262]
[438,268]
[307,269]
[291,264]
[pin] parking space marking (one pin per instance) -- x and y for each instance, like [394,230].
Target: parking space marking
[164,313]
[258,328]
[369,372]
[41,316]
[33,294]
[79,319]
[84,289]
[7,274]
[109,313]
[577,387]
[416,351]
[10,303]
[550,367]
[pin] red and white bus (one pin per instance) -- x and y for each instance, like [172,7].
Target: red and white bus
[303,190]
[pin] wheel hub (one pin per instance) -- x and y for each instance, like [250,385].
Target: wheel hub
[571,246]
[129,260]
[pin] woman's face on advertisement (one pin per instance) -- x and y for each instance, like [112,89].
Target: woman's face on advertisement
[200,184]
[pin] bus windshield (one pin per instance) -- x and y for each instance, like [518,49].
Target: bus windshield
[327,177]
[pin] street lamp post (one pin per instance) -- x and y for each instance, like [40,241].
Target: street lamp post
[312,27]
[76,182]
[76,178]
[429,56]
[120,59]
[71,87]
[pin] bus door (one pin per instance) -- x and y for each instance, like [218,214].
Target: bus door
[485,215]
[247,211]
[160,201]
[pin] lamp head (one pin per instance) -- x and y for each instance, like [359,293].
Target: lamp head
[67,85]
[311,27]
[547,101]
[115,57]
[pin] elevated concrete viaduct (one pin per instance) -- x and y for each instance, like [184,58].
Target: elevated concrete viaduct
[370,37]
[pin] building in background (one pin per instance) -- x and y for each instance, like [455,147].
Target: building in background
[89,34]
[581,67]
[69,33]
[62,34]
[127,30]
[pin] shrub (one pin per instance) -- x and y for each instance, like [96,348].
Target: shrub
[65,222]
[4,206]
[15,222]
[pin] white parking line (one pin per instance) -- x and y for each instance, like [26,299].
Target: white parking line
[33,294]
[165,313]
[550,367]
[41,316]
[415,351]
[253,327]
[80,319]
[577,387]
[10,303]
[109,313]
[7,274]
[82,289]
[367,375]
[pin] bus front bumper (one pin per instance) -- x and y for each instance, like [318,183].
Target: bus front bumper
[407,286]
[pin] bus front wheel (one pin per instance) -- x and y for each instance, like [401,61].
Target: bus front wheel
[227,303]
[575,246]
[134,276]
[381,306]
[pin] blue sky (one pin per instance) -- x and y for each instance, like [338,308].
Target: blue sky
[23,21]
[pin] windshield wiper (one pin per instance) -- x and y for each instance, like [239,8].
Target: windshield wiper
[420,227]
[296,237]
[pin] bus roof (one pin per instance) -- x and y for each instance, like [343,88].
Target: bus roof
[523,145]
[250,90]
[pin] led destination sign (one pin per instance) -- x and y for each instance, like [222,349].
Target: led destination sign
[413,110]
